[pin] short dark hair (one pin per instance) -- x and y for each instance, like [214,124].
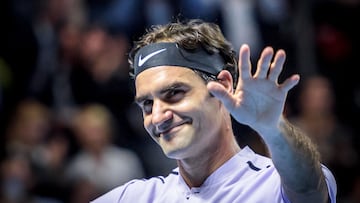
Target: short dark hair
[191,34]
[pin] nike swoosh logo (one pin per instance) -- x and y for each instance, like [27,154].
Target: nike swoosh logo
[143,60]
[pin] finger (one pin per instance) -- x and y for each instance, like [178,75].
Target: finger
[264,63]
[220,92]
[277,65]
[244,62]
[290,82]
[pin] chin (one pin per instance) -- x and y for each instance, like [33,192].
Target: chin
[178,153]
[173,154]
[177,145]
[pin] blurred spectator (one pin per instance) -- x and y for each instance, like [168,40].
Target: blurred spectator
[208,10]
[55,88]
[82,191]
[30,124]
[335,141]
[240,24]
[102,77]
[16,179]
[354,193]
[58,91]
[158,12]
[56,151]
[28,158]
[117,15]
[50,14]
[18,53]
[99,160]
[91,66]
[336,44]
[57,28]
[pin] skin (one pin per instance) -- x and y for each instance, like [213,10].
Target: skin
[179,114]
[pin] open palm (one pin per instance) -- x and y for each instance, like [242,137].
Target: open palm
[258,100]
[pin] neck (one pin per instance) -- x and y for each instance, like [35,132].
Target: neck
[196,170]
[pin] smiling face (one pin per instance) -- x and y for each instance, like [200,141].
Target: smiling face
[178,111]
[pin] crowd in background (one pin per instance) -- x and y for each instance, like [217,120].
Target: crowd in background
[69,130]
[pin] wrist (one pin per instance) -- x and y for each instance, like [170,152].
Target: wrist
[272,130]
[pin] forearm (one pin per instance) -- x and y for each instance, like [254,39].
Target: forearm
[297,161]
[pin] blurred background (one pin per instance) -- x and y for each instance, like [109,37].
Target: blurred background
[69,130]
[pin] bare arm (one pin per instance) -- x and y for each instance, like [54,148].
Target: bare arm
[297,161]
[258,101]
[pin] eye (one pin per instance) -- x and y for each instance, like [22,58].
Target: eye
[174,94]
[147,106]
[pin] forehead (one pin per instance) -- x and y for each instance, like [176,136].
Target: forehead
[157,77]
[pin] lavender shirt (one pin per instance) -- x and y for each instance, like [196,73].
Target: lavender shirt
[246,177]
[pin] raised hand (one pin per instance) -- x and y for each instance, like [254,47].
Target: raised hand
[258,100]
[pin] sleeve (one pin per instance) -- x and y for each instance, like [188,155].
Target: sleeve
[331,183]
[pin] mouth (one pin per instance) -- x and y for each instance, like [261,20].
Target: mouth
[168,132]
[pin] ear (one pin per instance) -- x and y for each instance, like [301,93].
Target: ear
[225,78]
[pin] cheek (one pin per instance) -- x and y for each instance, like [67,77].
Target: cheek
[212,112]
[206,114]
[147,123]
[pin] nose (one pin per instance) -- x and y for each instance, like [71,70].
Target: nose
[161,116]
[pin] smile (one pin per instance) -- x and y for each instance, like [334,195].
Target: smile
[169,132]
[167,135]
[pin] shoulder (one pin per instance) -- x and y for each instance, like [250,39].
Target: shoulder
[254,161]
[252,169]
[263,167]
[259,172]
[145,189]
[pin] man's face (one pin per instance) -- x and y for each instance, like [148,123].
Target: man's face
[179,113]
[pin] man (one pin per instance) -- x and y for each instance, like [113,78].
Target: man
[188,86]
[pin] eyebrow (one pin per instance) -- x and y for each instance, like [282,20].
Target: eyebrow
[139,99]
